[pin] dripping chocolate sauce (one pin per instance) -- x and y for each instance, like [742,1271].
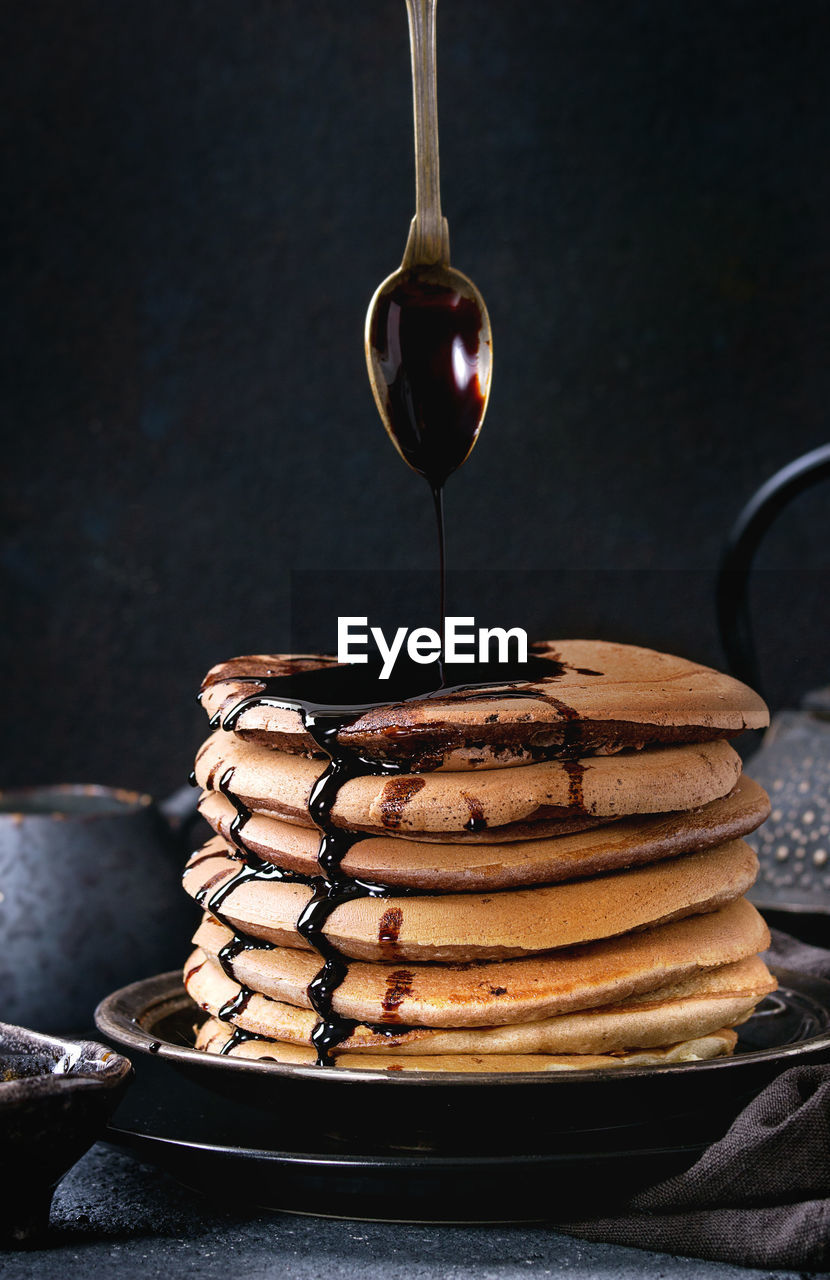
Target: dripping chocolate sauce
[425,341]
[327,700]
[238,1036]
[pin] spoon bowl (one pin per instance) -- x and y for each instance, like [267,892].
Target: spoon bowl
[429,355]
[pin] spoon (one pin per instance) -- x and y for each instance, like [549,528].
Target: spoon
[427,340]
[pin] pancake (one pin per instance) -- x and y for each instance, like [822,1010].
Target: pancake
[473,926]
[599,696]
[693,1007]
[549,828]
[493,993]
[213,1038]
[660,780]
[444,867]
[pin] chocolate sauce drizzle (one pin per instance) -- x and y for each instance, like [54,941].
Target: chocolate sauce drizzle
[238,1036]
[426,343]
[333,886]
[327,700]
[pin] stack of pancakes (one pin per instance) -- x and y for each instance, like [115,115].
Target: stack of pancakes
[564,870]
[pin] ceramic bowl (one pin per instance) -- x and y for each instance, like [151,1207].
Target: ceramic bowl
[55,1098]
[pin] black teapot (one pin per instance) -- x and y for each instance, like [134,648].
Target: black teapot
[793,760]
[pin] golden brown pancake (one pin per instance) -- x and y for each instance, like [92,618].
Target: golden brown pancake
[660,780]
[469,926]
[493,993]
[213,1038]
[684,1010]
[599,695]
[457,867]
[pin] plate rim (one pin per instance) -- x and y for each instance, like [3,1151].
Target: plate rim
[355,1161]
[763,904]
[125,1029]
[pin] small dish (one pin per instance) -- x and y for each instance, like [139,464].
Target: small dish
[55,1098]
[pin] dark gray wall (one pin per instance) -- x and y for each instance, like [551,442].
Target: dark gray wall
[203,198]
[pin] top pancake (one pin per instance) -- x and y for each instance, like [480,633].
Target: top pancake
[600,698]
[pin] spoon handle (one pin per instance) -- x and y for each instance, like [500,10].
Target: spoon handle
[428,234]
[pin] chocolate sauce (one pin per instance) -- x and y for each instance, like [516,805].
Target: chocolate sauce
[477,821]
[396,796]
[389,929]
[203,857]
[572,736]
[242,813]
[575,771]
[260,868]
[425,341]
[236,1005]
[190,972]
[237,1036]
[400,982]
[334,887]
[345,692]
[235,946]
[398,988]
[253,868]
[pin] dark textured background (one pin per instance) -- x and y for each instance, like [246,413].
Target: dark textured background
[203,198]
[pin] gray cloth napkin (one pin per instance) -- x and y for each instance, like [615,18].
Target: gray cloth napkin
[761,1195]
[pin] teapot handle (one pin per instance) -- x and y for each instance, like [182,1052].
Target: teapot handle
[744,539]
[180,810]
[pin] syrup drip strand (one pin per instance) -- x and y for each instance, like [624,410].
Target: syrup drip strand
[334,887]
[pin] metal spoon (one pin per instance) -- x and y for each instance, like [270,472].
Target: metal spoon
[427,339]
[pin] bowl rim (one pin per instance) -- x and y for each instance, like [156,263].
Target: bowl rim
[124,801]
[96,1065]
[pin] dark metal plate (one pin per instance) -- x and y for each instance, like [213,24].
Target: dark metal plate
[432,1146]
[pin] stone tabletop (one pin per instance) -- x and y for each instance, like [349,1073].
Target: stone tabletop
[113,1215]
